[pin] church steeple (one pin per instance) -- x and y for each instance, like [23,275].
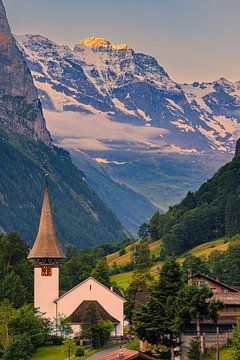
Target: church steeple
[46,245]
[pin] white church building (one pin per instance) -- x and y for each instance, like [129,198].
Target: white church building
[46,253]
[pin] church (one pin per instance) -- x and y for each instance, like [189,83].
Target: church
[51,302]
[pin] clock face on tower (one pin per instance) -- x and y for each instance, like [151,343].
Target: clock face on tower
[46,270]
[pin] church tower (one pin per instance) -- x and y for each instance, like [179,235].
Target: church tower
[46,253]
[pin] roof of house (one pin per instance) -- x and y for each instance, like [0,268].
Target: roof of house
[78,316]
[89,278]
[229,298]
[126,355]
[46,245]
[214,280]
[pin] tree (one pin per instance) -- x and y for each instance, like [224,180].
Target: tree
[236,341]
[64,326]
[79,352]
[195,302]
[193,350]
[95,328]
[102,273]
[101,333]
[156,322]
[27,321]
[7,313]
[136,286]
[153,226]
[16,273]
[142,258]
[69,347]
[232,214]
[195,264]
[143,231]
[13,290]
[18,347]
[90,321]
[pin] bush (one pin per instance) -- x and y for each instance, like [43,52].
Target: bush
[18,348]
[193,350]
[79,351]
[57,340]
[77,341]
[102,333]
[122,252]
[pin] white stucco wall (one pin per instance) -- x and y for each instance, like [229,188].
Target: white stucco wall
[90,289]
[46,290]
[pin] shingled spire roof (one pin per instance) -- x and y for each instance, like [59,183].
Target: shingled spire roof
[46,245]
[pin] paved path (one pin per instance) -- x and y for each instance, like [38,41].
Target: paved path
[103,353]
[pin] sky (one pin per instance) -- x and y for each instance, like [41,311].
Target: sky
[194,40]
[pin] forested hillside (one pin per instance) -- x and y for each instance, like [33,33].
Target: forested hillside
[207,214]
[81,217]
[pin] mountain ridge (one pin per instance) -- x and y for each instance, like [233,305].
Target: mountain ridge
[20,108]
[132,88]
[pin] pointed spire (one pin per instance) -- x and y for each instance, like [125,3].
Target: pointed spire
[46,245]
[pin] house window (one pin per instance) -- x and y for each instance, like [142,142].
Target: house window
[90,287]
[202,283]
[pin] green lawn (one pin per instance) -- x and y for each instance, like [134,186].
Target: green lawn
[57,353]
[225,354]
[49,353]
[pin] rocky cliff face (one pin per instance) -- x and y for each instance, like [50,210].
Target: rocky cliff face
[20,107]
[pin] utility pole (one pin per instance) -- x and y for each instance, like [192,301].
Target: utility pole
[199,338]
[217,338]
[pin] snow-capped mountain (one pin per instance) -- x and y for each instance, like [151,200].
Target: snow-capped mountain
[114,83]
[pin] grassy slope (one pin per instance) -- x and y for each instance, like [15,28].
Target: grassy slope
[202,250]
[126,258]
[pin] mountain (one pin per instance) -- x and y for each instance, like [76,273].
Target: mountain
[140,127]
[25,145]
[131,207]
[205,215]
[115,83]
[20,108]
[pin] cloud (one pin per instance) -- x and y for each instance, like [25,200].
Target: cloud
[96,132]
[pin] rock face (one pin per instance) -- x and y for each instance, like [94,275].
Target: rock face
[237,150]
[20,107]
[98,77]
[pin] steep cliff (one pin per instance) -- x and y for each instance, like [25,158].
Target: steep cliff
[20,108]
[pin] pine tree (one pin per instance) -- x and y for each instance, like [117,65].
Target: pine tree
[232,215]
[102,273]
[142,258]
[13,290]
[156,320]
[90,321]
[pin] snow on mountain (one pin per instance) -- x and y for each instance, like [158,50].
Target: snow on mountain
[114,82]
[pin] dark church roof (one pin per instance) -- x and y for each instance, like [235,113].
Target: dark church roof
[78,315]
